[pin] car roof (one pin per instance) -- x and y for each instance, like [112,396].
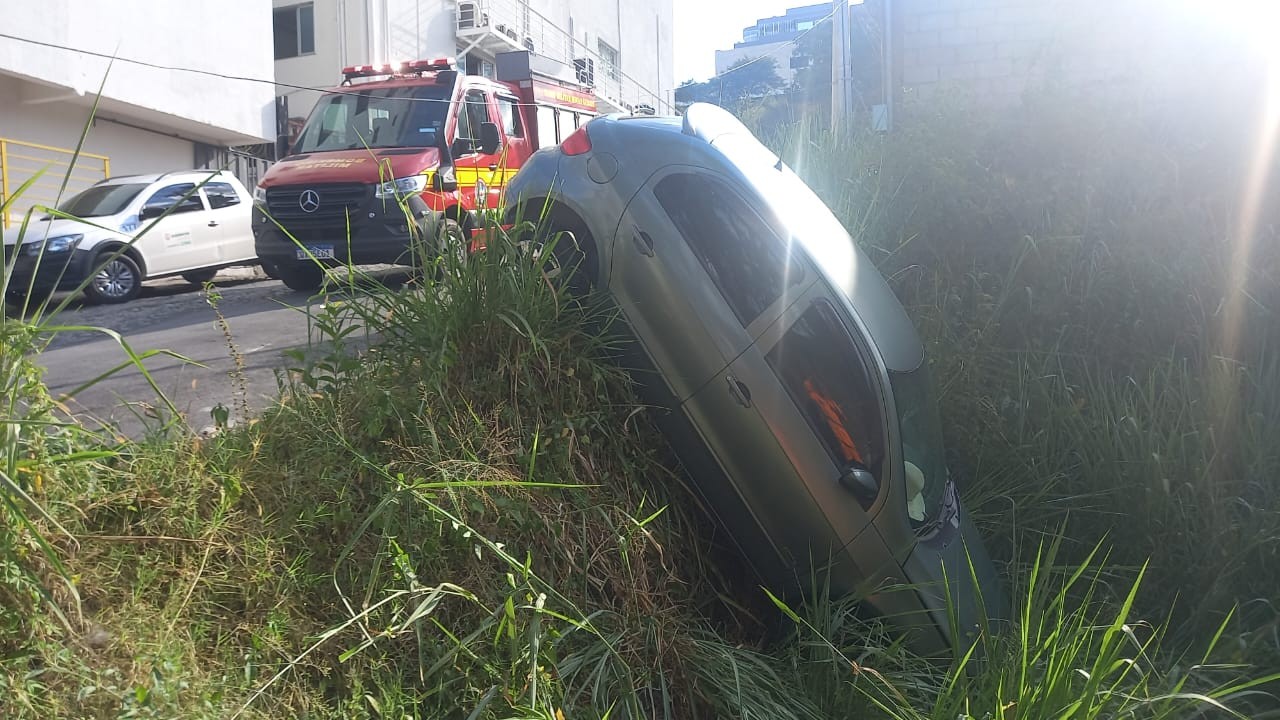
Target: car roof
[149,178]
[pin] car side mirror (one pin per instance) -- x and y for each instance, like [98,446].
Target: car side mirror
[151,212]
[490,140]
[862,483]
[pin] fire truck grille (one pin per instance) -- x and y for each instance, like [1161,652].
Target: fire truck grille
[321,204]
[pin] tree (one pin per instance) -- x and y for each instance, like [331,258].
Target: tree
[811,59]
[748,78]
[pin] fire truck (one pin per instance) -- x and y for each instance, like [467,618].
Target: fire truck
[419,136]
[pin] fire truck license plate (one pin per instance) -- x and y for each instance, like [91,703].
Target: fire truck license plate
[319,252]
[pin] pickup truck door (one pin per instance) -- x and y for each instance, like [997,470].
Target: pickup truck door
[230,218]
[183,238]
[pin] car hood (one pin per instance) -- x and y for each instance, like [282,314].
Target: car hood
[366,166]
[40,229]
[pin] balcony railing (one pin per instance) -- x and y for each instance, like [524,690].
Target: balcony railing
[503,25]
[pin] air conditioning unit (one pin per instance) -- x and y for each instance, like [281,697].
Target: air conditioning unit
[467,15]
[528,44]
[586,70]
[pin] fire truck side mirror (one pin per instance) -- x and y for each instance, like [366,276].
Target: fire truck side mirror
[490,140]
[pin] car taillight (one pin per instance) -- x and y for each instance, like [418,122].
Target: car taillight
[577,143]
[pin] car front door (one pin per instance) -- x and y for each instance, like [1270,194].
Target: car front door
[183,238]
[472,165]
[698,272]
[779,468]
[231,222]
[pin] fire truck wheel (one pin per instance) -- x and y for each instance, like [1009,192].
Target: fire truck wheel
[301,276]
[452,239]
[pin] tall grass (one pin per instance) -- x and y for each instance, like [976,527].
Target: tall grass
[1107,365]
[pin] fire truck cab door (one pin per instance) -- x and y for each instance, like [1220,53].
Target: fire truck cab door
[476,170]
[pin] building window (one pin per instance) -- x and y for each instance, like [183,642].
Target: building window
[609,58]
[295,30]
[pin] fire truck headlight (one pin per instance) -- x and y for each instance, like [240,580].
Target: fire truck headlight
[402,186]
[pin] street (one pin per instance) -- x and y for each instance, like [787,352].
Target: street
[265,320]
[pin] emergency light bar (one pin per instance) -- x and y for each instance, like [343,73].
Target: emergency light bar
[404,68]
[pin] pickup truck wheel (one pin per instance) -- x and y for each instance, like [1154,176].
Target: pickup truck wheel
[301,276]
[115,280]
[199,277]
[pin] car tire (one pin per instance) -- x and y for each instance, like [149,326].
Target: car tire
[301,276]
[116,279]
[270,269]
[199,277]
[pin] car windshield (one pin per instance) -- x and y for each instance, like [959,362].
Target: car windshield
[102,200]
[403,116]
[922,448]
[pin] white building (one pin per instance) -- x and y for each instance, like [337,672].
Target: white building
[621,47]
[774,37]
[169,100]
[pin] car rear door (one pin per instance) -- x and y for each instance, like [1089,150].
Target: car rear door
[183,238]
[698,272]
[230,219]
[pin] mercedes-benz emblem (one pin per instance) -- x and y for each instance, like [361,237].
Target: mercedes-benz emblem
[309,201]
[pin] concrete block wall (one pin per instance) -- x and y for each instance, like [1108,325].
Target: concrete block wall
[998,49]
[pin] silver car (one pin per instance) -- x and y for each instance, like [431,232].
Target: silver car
[795,387]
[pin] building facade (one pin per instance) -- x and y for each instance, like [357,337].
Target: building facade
[155,112]
[774,37]
[622,49]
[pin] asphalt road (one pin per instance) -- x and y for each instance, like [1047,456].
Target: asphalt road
[265,318]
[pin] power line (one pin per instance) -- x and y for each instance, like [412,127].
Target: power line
[224,76]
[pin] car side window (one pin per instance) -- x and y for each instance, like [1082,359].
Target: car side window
[221,195]
[746,260]
[826,376]
[171,196]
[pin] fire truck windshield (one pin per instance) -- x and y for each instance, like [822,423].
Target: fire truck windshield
[376,117]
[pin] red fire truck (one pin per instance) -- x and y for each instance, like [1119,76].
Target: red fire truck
[422,132]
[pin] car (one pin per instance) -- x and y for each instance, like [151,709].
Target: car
[791,383]
[122,231]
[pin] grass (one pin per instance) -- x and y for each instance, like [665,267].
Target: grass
[458,509]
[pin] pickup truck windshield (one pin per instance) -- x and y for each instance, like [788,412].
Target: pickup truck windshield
[404,116]
[102,200]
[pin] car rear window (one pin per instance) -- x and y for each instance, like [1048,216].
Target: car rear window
[747,261]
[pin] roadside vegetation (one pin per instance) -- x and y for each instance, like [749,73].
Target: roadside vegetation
[472,517]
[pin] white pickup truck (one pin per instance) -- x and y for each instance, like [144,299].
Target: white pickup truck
[190,223]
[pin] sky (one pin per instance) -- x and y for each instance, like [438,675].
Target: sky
[704,26]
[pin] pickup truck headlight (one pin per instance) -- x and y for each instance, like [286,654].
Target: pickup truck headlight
[402,186]
[60,244]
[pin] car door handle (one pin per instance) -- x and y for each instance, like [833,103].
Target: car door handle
[643,242]
[213,223]
[740,392]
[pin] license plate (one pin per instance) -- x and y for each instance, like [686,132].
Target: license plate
[320,252]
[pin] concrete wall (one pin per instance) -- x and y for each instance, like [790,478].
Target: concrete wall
[219,38]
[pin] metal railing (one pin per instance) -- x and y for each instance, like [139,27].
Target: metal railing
[20,161]
[523,27]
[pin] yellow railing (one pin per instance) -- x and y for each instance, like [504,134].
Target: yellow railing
[20,161]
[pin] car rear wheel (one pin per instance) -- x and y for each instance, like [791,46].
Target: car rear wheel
[199,277]
[301,276]
[570,258]
[115,279]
